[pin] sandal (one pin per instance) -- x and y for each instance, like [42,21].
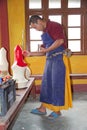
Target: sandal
[54,115]
[36,111]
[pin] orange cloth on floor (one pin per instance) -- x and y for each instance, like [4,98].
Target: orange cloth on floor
[68,93]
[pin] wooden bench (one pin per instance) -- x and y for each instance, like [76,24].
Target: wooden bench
[78,76]
[21,96]
[72,76]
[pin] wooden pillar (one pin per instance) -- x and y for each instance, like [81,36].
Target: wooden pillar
[4,29]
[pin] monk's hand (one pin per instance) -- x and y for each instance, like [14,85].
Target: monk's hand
[43,49]
[26,53]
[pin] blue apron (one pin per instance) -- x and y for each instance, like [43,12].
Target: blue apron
[53,81]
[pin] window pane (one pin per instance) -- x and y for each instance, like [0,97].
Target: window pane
[75,46]
[35,35]
[71,19]
[73,33]
[56,18]
[34,4]
[54,3]
[74,3]
[34,45]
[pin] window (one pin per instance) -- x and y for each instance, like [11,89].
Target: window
[54,4]
[74,3]
[34,4]
[35,40]
[72,14]
[56,18]
[74,33]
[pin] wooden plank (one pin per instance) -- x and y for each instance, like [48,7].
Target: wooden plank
[72,76]
[78,76]
[22,95]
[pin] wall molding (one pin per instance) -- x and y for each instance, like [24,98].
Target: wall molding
[75,88]
[4,26]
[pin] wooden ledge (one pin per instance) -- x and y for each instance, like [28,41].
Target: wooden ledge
[78,76]
[21,96]
[72,76]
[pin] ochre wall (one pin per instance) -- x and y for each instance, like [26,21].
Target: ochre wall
[16,20]
[16,17]
[78,64]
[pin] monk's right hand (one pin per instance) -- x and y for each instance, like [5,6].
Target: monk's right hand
[26,53]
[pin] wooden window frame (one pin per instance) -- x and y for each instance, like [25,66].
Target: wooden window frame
[64,11]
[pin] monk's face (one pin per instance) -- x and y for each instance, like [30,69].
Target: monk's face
[39,26]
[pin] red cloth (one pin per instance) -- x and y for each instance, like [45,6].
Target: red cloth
[18,57]
[55,30]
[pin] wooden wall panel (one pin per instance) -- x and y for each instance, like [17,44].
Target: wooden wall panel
[4,30]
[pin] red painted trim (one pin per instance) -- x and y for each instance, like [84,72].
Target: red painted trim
[75,88]
[4,26]
[79,88]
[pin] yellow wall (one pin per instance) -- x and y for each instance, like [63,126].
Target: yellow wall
[16,19]
[16,16]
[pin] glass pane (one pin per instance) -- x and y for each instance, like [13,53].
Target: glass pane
[75,46]
[54,3]
[71,19]
[56,18]
[74,33]
[35,35]
[34,45]
[35,4]
[74,3]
